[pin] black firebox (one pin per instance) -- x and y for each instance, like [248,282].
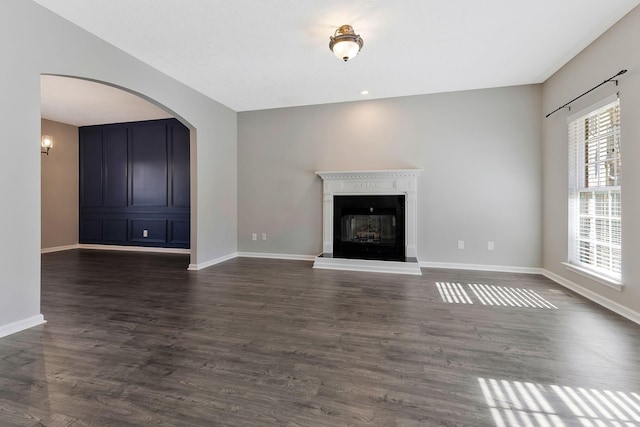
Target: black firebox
[369,227]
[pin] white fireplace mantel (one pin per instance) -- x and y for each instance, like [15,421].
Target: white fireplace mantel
[370,182]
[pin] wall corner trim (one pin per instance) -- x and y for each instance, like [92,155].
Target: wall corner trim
[196,267]
[593,296]
[21,325]
[481,267]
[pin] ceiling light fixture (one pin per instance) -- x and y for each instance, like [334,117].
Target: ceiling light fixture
[345,43]
[364,92]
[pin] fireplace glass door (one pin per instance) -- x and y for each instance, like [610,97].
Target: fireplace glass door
[369,227]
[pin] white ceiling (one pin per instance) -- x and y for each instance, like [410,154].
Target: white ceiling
[260,54]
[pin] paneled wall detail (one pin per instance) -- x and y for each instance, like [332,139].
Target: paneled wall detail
[134,184]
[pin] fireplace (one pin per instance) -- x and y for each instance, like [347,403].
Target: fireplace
[369,227]
[369,221]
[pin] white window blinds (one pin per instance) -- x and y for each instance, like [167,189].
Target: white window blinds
[595,222]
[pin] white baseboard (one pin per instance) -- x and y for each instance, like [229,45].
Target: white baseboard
[21,325]
[196,267]
[59,248]
[116,248]
[135,249]
[597,298]
[453,266]
[276,256]
[481,267]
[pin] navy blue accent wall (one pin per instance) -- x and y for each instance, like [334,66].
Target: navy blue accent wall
[134,184]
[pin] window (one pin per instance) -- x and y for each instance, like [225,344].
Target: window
[595,221]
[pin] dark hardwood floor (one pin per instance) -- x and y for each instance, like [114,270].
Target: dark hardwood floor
[135,339]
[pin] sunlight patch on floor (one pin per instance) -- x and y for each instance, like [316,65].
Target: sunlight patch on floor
[453,293]
[593,407]
[515,403]
[505,296]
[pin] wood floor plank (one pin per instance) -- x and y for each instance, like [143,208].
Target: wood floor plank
[136,339]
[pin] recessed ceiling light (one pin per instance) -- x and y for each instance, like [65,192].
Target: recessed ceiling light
[364,92]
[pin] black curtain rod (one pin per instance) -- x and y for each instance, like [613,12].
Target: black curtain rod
[621,72]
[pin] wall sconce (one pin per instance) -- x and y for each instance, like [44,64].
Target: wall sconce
[46,143]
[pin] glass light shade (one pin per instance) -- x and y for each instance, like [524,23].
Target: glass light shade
[346,49]
[345,43]
[47,141]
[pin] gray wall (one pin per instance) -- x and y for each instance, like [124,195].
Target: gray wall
[34,41]
[59,186]
[615,50]
[480,151]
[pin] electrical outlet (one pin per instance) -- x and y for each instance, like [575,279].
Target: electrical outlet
[264,236]
[254,236]
[491,246]
[145,233]
[460,244]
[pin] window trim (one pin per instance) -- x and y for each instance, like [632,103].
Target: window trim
[587,270]
[591,108]
[605,280]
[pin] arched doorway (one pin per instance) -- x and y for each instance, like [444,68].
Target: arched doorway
[69,103]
